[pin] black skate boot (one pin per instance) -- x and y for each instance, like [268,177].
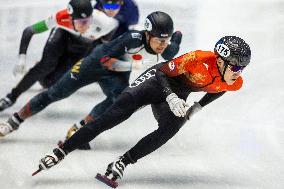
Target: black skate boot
[50,160]
[72,130]
[5,103]
[114,171]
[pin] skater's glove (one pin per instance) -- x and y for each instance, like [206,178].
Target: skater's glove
[176,37]
[177,105]
[20,68]
[196,107]
[116,65]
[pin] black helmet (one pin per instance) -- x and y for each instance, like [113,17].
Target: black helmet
[234,50]
[80,8]
[159,24]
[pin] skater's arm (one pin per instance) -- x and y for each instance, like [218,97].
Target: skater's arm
[206,99]
[173,48]
[117,48]
[52,51]
[54,47]
[61,18]
[209,97]
[28,33]
[117,65]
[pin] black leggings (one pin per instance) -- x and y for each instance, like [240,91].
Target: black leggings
[142,92]
[122,109]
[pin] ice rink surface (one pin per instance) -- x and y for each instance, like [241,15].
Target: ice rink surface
[234,143]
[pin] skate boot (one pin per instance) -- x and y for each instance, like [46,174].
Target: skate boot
[71,132]
[5,128]
[11,125]
[114,171]
[50,160]
[5,103]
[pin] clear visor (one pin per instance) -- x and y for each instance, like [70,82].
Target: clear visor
[162,40]
[84,21]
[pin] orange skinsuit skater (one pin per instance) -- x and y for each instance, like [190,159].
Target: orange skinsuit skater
[165,86]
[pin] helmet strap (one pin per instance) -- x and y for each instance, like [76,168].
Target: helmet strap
[224,70]
[73,23]
[223,74]
[148,46]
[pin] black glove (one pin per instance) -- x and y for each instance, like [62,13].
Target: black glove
[173,48]
[176,37]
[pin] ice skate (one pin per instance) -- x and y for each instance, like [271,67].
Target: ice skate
[114,171]
[5,129]
[50,160]
[11,125]
[5,103]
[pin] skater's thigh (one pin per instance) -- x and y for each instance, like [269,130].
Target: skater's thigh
[147,92]
[67,85]
[166,118]
[113,85]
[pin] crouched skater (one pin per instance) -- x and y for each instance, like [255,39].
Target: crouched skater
[165,87]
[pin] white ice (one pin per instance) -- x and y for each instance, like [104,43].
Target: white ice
[235,142]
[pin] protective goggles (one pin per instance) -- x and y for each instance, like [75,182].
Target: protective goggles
[112,6]
[161,40]
[84,21]
[235,68]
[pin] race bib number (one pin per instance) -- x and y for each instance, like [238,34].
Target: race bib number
[149,74]
[223,50]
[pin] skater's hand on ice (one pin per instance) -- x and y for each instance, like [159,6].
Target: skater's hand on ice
[196,107]
[177,105]
[20,67]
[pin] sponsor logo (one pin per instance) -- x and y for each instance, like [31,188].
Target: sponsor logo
[206,65]
[73,77]
[64,20]
[164,35]
[149,74]
[76,67]
[84,15]
[171,65]
[148,25]
[70,9]
[136,35]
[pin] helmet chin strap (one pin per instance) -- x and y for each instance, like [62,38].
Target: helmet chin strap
[224,70]
[73,24]
[148,46]
[223,74]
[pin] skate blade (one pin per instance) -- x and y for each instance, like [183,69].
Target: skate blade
[36,172]
[106,180]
